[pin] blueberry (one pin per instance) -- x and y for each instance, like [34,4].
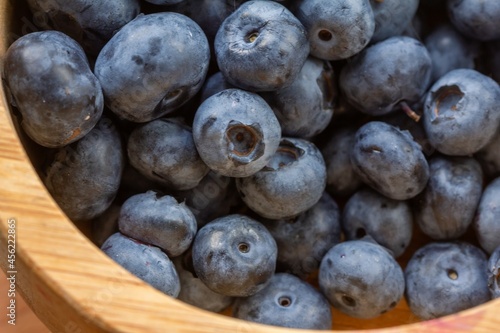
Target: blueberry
[84,176]
[461,112]
[392,17]
[213,197]
[445,278]
[449,50]
[445,209]
[50,82]
[236,132]
[146,262]
[214,84]
[292,182]
[476,18]
[153,65]
[336,29]
[384,75]
[286,301]
[489,157]
[389,222]
[194,291]
[486,222]
[158,220]
[389,161]
[90,22]
[341,180]
[234,255]
[303,241]
[361,279]
[494,273]
[261,46]
[153,149]
[209,14]
[305,108]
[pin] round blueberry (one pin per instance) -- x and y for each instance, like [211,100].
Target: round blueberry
[305,108]
[84,176]
[146,262]
[388,160]
[261,46]
[389,222]
[286,301]
[90,22]
[461,112]
[236,132]
[486,222]
[392,17]
[445,278]
[234,255]
[476,18]
[153,65]
[291,183]
[361,279]
[303,241]
[450,50]
[50,82]
[158,220]
[445,209]
[384,75]
[153,149]
[336,29]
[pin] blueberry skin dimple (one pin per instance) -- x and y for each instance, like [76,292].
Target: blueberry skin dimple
[475,18]
[305,108]
[445,209]
[145,261]
[164,151]
[461,112]
[361,279]
[153,65]
[291,183]
[236,132]
[336,29]
[158,220]
[90,22]
[286,301]
[380,77]
[445,278]
[84,176]
[487,220]
[234,255]
[261,46]
[392,17]
[389,161]
[389,222]
[50,82]
[494,273]
[303,241]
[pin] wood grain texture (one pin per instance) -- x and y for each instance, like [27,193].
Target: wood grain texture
[74,288]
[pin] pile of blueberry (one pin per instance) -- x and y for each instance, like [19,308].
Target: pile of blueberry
[275,156]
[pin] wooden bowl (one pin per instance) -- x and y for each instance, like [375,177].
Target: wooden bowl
[73,287]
